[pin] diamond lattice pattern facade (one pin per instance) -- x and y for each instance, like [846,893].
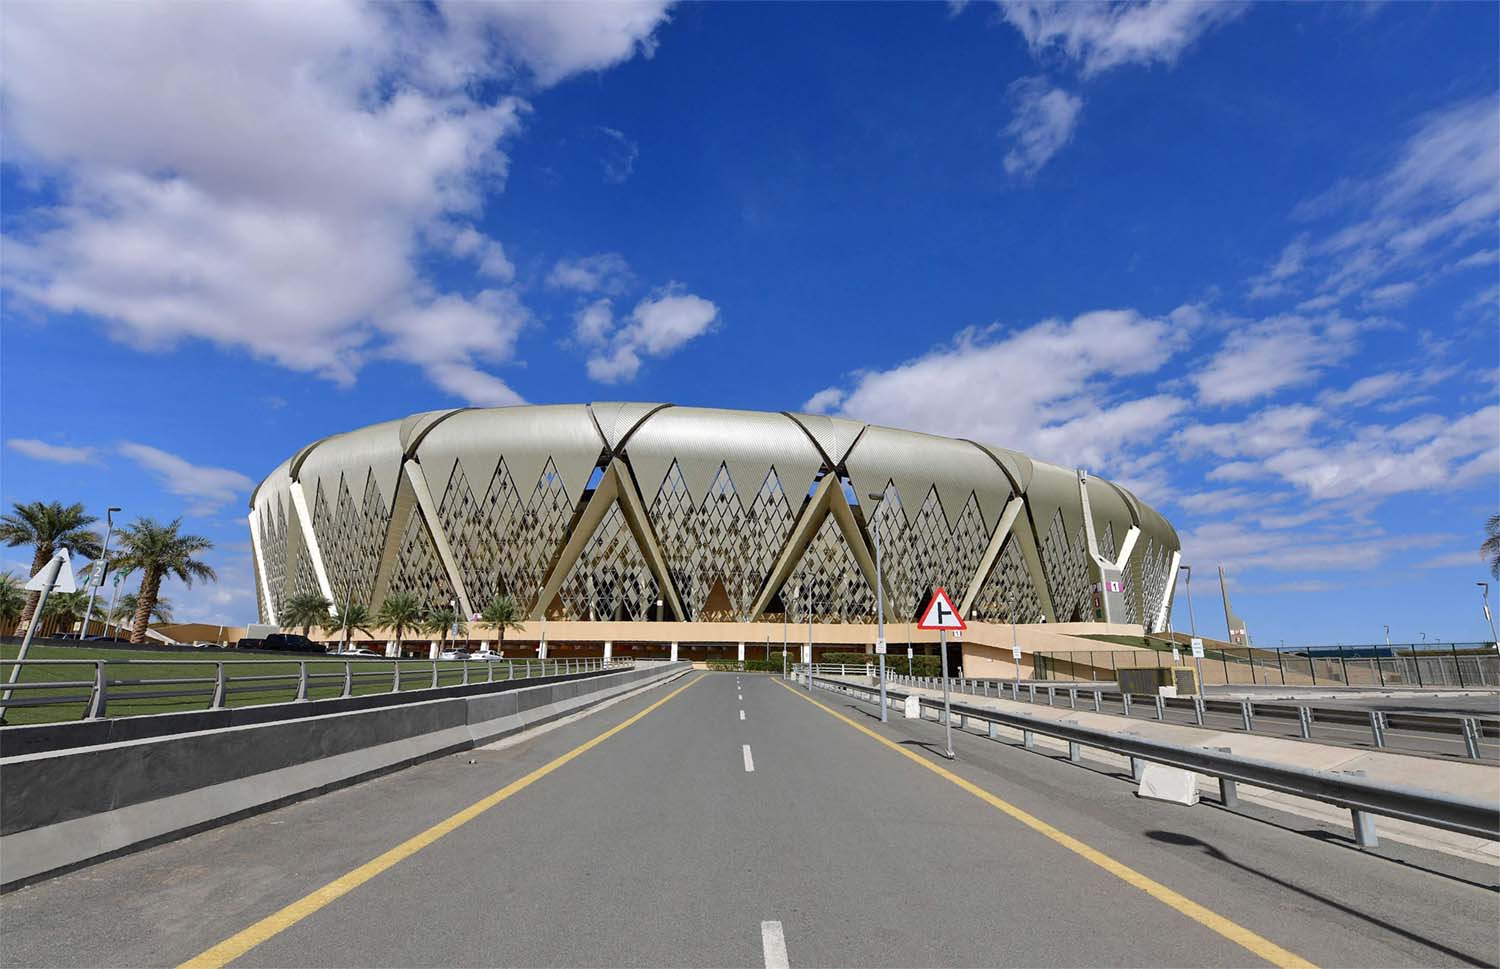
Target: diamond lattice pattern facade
[639,512]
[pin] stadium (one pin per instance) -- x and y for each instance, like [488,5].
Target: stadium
[602,521]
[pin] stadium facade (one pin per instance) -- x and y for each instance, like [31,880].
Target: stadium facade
[636,513]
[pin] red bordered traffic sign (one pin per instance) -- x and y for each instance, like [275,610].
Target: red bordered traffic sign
[941,613]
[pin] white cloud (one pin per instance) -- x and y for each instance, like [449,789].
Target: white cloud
[1467,558]
[557,40]
[824,401]
[1393,294]
[488,253]
[1043,122]
[208,489]
[592,324]
[56,453]
[1440,191]
[1260,358]
[1241,547]
[1273,281]
[659,325]
[1053,389]
[1099,36]
[1480,259]
[606,272]
[1430,453]
[446,335]
[275,190]
[619,157]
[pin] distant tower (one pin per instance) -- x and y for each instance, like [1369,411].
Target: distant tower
[1238,634]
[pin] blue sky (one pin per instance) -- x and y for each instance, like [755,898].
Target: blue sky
[1242,258]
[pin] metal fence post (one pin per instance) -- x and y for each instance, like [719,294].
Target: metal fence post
[1051,696]
[1471,737]
[1161,707]
[218,701]
[1125,698]
[1247,716]
[1304,722]
[1198,710]
[1098,700]
[99,701]
[1364,829]
[1031,692]
[1377,727]
[302,679]
[1028,740]
[1073,697]
[1229,790]
[1458,668]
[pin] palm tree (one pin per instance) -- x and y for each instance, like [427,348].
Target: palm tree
[306,609]
[440,619]
[399,613]
[502,613]
[48,527]
[1490,547]
[161,610]
[355,616]
[64,608]
[159,551]
[12,601]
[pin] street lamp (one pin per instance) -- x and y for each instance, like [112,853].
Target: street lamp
[1187,582]
[96,574]
[1485,591]
[879,608]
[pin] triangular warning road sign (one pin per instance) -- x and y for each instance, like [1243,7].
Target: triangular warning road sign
[62,581]
[941,613]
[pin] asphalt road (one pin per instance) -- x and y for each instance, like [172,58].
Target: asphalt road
[660,846]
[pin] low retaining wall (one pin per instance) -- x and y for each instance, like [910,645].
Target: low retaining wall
[62,808]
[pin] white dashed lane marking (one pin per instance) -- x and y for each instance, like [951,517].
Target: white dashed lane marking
[749,761]
[773,942]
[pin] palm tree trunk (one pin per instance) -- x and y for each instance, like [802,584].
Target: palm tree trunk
[145,602]
[38,559]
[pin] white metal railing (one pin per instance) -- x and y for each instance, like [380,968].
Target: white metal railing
[1363,798]
[217,680]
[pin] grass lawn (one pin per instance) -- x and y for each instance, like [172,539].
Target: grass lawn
[280,685]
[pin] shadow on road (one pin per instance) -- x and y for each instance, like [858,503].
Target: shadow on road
[1188,841]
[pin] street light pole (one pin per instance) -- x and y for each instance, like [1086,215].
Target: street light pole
[1187,581]
[96,576]
[808,593]
[879,611]
[1485,587]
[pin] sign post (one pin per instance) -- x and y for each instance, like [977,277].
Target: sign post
[57,575]
[943,616]
[1015,656]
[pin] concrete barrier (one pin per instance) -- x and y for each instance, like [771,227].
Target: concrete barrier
[62,808]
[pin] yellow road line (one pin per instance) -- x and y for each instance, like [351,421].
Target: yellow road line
[1233,931]
[242,942]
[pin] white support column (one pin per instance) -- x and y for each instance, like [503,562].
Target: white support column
[609,650]
[310,541]
[742,652]
[674,652]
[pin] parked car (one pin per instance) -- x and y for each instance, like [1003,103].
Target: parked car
[454,654]
[358,651]
[487,654]
[288,643]
[205,644]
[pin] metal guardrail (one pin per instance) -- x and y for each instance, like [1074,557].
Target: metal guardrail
[1467,731]
[1362,798]
[221,676]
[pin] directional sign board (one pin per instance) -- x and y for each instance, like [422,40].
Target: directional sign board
[64,581]
[1197,648]
[880,648]
[941,613]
